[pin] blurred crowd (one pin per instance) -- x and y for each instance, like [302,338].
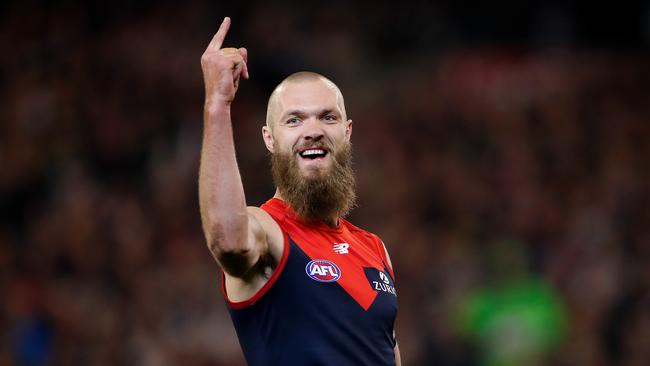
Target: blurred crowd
[510,184]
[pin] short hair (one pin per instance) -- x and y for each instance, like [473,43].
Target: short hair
[301,76]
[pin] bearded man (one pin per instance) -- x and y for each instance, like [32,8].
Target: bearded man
[303,285]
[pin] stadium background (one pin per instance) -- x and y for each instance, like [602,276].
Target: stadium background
[502,153]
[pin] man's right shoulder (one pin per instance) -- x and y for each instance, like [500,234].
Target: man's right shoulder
[262,215]
[269,227]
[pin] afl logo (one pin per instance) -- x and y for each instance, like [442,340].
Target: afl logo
[322,270]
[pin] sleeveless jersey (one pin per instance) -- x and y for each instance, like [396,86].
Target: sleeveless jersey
[330,301]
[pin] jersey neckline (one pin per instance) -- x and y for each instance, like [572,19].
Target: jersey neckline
[281,205]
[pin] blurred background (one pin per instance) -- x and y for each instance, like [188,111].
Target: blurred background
[502,153]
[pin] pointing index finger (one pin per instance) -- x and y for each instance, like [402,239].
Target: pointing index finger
[218,38]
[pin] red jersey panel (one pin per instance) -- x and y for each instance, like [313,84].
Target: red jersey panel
[349,247]
[330,301]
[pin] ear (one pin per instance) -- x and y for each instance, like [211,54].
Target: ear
[348,130]
[268,138]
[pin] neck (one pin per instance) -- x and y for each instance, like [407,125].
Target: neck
[330,221]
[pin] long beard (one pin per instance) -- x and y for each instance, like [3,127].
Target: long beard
[321,197]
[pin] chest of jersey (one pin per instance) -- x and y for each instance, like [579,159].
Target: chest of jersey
[333,302]
[345,259]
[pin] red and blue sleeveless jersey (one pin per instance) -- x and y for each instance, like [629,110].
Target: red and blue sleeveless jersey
[330,301]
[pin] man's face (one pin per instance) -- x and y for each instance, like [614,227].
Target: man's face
[311,153]
[310,125]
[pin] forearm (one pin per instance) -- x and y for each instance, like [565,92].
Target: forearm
[221,194]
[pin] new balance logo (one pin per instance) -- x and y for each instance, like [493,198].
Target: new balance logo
[341,248]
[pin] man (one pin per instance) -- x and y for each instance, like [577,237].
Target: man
[303,285]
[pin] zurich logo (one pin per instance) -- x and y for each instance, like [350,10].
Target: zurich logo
[322,270]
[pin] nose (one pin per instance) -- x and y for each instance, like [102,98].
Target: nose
[314,136]
[313,131]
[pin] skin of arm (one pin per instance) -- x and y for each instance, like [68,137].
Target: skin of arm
[398,356]
[233,232]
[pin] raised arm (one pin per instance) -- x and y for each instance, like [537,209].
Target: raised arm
[235,238]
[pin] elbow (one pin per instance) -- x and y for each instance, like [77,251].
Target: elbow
[236,263]
[236,260]
[227,240]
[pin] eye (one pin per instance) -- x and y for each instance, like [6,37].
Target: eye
[292,121]
[330,118]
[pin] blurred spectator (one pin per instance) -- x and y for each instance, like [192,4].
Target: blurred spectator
[515,319]
[465,134]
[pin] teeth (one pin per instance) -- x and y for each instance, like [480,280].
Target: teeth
[313,152]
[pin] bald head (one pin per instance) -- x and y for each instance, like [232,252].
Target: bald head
[275,104]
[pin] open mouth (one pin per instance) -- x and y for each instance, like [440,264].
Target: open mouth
[313,153]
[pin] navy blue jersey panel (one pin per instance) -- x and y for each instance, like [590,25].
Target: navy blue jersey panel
[300,321]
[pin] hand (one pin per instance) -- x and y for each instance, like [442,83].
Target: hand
[223,67]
